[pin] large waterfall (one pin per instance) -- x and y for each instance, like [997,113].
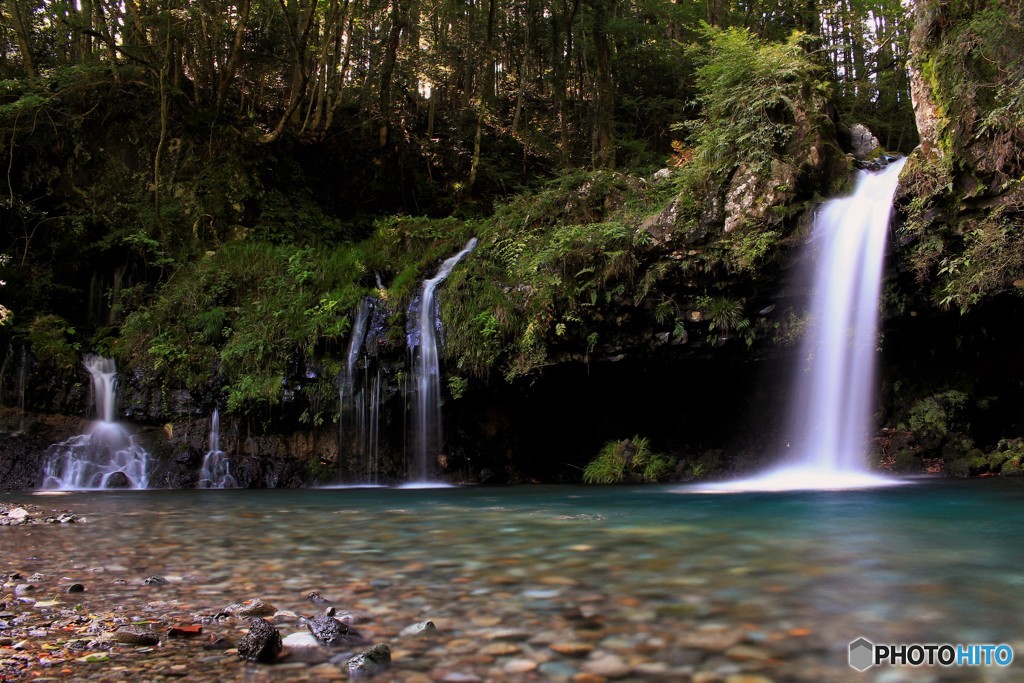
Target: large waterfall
[833,394]
[427,436]
[106,457]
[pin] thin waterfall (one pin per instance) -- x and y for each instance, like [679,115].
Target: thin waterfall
[834,391]
[216,470]
[106,457]
[359,397]
[22,386]
[3,369]
[427,435]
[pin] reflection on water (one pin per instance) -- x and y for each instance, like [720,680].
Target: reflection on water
[798,575]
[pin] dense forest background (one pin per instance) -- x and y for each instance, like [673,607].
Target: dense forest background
[207,190]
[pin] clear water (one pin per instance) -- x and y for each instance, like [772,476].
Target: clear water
[797,575]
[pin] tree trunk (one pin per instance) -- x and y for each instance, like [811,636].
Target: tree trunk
[604,116]
[22,24]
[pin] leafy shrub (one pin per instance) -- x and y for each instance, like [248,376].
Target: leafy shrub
[932,419]
[53,342]
[751,91]
[907,461]
[628,460]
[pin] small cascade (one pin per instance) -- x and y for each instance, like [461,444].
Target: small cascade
[359,401]
[832,399]
[216,470]
[428,439]
[22,386]
[106,457]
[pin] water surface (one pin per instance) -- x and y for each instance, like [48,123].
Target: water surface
[775,584]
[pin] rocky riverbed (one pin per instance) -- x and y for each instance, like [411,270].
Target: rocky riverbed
[122,587]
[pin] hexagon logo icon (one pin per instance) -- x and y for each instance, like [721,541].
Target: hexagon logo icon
[862,654]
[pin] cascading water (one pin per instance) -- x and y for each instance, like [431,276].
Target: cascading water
[832,401]
[106,457]
[216,470]
[359,399]
[347,400]
[427,435]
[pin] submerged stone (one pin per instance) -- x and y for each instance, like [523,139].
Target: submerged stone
[370,662]
[251,608]
[136,635]
[422,629]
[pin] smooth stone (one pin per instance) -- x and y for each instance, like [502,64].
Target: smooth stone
[507,634]
[254,607]
[742,652]
[557,670]
[519,666]
[501,649]
[301,640]
[420,630]
[572,649]
[457,677]
[609,666]
[136,635]
[18,513]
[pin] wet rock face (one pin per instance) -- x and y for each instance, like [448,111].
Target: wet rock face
[752,195]
[261,644]
[863,143]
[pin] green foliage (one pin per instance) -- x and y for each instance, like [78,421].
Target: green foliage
[934,419]
[753,94]
[549,264]
[53,342]
[1008,458]
[723,315]
[252,309]
[991,258]
[628,460]
[907,461]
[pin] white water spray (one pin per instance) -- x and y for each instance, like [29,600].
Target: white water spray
[427,436]
[106,457]
[216,470]
[834,392]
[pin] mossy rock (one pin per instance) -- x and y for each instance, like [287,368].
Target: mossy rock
[959,446]
[1013,467]
[958,467]
[907,462]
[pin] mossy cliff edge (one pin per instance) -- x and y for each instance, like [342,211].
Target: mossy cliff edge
[599,304]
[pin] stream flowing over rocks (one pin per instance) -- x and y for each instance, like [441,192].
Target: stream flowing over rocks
[555,584]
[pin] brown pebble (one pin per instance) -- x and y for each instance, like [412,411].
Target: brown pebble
[519,666]
[501,649]
[572,649]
